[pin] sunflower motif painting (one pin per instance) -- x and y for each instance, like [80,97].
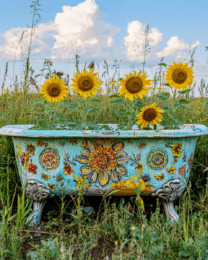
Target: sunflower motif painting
[103,160]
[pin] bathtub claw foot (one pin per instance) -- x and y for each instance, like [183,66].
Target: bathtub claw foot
[39,194]
[170,192]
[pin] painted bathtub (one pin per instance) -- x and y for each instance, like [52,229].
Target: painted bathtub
[53,162]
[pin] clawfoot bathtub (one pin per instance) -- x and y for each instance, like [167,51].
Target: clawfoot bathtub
[53,162]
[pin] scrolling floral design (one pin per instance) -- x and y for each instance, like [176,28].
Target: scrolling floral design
[103,160]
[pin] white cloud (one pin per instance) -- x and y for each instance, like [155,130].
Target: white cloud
[176,48]
[80,31]
[135,40]
[76,30]
[12,46]
[201,70]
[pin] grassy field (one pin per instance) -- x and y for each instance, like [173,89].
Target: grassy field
[116,229]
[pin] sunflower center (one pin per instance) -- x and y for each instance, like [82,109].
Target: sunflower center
[134,85]
[102,159]
[179,76]
[150,114]
[54,89]
[85,83]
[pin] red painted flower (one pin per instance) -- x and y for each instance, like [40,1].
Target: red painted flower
[32,168]
[182,170]
[30,149]
[68,170]
[190,161]
[24,159]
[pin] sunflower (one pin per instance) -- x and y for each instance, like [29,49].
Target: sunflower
[54,89]
[149,114]
[179,75]
[134,85]
[86,83]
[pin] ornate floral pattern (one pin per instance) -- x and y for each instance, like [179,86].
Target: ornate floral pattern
[49,159]
[157,159]
[103,160]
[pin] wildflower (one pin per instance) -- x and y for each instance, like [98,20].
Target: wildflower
[134,85]
[190,120]
[150,114]
[179,75]
[59,73]
[85,83]
[91,65]
[54,89]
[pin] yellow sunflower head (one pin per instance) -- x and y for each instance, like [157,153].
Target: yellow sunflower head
[85,83]
[134,85]
[54,89]
[179,75]
[150,114]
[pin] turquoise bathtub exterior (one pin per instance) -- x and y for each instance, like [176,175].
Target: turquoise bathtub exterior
[101,161]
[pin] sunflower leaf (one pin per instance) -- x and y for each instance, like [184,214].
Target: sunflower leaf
[162,64]
[91,109]
[167,84]
[165,108]
[138,103]
[73,106]
[163,96]
[96,100]
[114,96]
[121,112]
[60,120]
[118,101]
[183,101]
[178,105]
[43,125]
[184,91]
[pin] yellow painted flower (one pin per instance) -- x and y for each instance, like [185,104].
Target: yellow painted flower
[172,170]
[134,85]
[149,114]
[19,149]
[86,83]
[81,182]
[54,89]
[52,187]
[128,187]
[177,150]
[179,75]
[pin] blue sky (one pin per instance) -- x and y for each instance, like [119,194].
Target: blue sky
[105,30]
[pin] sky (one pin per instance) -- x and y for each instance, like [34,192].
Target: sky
[103,30]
